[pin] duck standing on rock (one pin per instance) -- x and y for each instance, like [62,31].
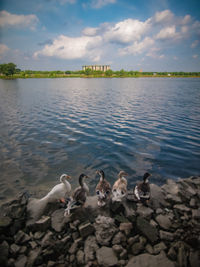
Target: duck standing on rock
[103,190]
[119,189]
[57,193]
[79,195]
[142,190]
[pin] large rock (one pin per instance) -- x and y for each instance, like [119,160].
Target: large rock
[4,250]
[144,211]
[90,248]
[86,229]
[58,221]
[105,229]
[42,224]
[157,199]
[106,257]
[147,230]
[147,260]
[164,221]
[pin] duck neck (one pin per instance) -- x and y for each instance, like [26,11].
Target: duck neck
[66,183]
[102,177]
[81,181]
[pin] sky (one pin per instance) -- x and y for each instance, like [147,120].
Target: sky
[148,35]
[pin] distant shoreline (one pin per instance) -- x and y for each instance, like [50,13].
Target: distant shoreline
[32,76]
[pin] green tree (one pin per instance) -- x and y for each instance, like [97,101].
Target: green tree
[109,73]
[8,69]
[88,71]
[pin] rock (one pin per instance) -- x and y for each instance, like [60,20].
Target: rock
[172,254]
[16,211]
[4,249]
[21,261]
[149,249]
[147,229]
[33,244]
[105,229]
[43,224]
[73,248]
[159,247]
[120,219]
[196,214]
[106,257]
[182,256]
[86,229]
[144,211]
[147,260]
[5,222]
[137,248]
[194,259]
[21,237]
[173,199]
[133,240]
[157,199]
[181,208]
[119,238]
[80,257]
[90,248]
[192,202]
[166,235]
[117,249]
[117,207]
[171,187]
[164,221]
[23,250]
[39,235]
[14,249]
[126,227]
[33,257]
[58,221]
[47,240]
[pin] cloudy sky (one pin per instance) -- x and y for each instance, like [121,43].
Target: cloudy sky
[152,35]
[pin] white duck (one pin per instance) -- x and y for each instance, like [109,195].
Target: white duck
[58,192]
[119,189]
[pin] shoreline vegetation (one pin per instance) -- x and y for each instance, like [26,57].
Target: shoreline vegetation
[10,71]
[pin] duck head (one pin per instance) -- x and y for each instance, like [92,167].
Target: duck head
[82,178]
[146,177]
[103,190]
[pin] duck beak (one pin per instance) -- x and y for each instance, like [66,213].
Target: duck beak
[68,177]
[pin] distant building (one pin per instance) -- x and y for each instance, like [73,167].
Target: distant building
[96,67]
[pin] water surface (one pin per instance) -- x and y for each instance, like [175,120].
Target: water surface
[54,126]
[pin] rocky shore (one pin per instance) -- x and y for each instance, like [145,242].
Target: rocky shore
[165,232]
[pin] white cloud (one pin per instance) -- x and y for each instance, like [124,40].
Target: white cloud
[186,19]
[62,2]
[166,33]
[195,44]
[126,31]
[89,31]
[195,56]
[137,47]
[100,3]
[165,16]
[3,50]
[73,48]
[12,20]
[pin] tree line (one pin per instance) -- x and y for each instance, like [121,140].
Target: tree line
[11,70]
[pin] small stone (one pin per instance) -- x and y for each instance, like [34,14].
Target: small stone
[43,224]
[73,248]
[80,257]
[196,214]
[14,249]
[33,257]
[33,244]
[86,229]
[123,255]
[166,235]
[159,247]
[47,239]
[117,249]
[4,249]
[172,253]
[5,222]
[126,227]
[90,248]
[51,264]
[192,202]
[149,249]
[137,248]
[23,250]
[21,261]
[173,199]
[133,240]
[38,235]
[75,235]
[21,237]
[72,258]
[159,211]
[181,208]
[119,238]
[194,258]
[106,257]
[164,221]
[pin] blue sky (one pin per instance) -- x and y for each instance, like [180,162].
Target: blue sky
[159,35]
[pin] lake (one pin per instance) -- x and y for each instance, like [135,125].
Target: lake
[78,125]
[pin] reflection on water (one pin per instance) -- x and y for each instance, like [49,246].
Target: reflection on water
[54,126]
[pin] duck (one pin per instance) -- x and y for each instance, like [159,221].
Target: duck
[103,190]
[142,190]
[119,188]
[57,193]
[79,196]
